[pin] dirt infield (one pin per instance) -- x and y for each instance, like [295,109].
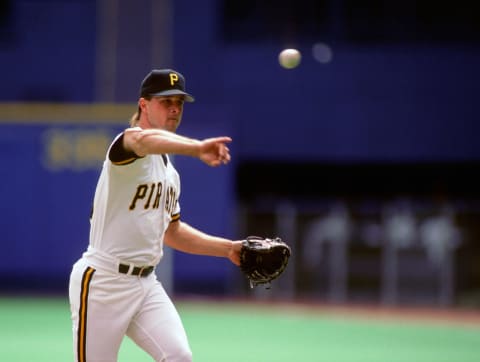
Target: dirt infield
[410,314]
[407,313]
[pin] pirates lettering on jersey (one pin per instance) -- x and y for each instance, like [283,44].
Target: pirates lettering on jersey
[170,200]
[153,190]
[150,195]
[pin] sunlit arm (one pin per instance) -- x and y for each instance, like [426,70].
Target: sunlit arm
[185,238]
[212,151]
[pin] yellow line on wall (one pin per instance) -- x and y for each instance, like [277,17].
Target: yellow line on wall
[70,113]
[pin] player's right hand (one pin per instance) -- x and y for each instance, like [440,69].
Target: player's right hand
[214,151]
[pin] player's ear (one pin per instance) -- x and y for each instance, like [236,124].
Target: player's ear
[142,103]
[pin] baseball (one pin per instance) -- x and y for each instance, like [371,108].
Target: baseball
[289,58]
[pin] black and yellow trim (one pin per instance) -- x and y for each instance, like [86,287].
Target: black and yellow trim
[175,217]
[118,155]
[125,162]
[82,315]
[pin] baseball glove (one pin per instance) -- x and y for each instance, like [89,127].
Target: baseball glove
[263,259]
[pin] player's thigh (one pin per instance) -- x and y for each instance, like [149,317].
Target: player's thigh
[158,329]
[100,314]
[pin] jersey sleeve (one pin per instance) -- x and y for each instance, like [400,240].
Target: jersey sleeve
[118,155]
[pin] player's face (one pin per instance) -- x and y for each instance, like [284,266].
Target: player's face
[165,112]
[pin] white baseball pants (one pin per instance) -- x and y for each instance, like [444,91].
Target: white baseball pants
[106,306]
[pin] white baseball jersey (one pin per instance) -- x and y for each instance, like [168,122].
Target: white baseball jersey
[134,203]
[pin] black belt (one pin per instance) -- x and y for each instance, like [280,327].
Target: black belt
[143,271]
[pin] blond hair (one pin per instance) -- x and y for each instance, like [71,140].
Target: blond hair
[135,118]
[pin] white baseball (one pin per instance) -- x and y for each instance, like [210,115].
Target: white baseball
[289,58]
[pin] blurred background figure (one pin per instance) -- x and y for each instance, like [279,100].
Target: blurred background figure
[326,242]
[400,224]
[400,232]
[440,236]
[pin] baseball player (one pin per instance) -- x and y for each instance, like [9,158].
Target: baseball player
[113,288]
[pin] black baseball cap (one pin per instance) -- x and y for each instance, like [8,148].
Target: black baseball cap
[164,82]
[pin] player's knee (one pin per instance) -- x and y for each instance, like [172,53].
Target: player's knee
[180,354]
[186,356]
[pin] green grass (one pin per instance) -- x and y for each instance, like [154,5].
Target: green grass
[40,330]
[246,334]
